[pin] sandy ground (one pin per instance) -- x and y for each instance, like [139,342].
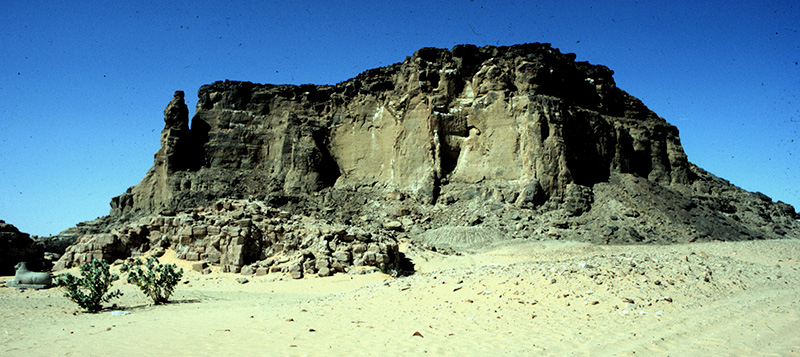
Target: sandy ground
[522,298]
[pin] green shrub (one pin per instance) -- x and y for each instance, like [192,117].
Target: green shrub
[91,289]
[156,281]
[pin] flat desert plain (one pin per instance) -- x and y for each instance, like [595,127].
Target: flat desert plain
[518,298]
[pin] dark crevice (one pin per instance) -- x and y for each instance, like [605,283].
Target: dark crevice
[327,167]
[199,137]
[449,157]
[545,130]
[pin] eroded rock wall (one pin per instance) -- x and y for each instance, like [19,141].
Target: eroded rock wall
[521,140]
[526,116]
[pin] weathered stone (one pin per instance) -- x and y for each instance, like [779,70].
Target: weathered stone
[24,278]
[578,199]
[309,266]
[295,271]
[393,225]
[158,252]
[338,266]
[435,126]
[193,256]
[323,262]
[357,233]
[199,266]
[342,256]
[231,268]
[359,248]
[199,231]
[248,270]
[445,138]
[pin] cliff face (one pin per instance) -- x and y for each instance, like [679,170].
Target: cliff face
[527,119]
[451,149]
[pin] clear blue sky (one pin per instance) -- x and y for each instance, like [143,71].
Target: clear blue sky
[83,84]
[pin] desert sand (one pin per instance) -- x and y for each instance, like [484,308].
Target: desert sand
[519,298]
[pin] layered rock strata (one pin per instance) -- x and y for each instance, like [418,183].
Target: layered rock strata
[522,139]
[440,118]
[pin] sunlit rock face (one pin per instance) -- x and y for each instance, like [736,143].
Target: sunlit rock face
[522,139]
[527,117]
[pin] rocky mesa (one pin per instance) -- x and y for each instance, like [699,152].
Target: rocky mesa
[454,149]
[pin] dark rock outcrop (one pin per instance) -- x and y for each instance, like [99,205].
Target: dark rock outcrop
[16,247]
[447,138]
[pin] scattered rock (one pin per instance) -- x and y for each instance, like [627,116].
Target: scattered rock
[248,270]
[295,271]
[393,225]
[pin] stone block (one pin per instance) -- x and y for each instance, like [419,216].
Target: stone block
[185,232]
[199,231]
[199,266]
[244,222]
[393,226]
[342,256]
[323,262]
[296,271]
[248,270]
[359,248]
[231,268]
[324,272]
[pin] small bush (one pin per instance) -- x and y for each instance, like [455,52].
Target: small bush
[91,289]
[156,281]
